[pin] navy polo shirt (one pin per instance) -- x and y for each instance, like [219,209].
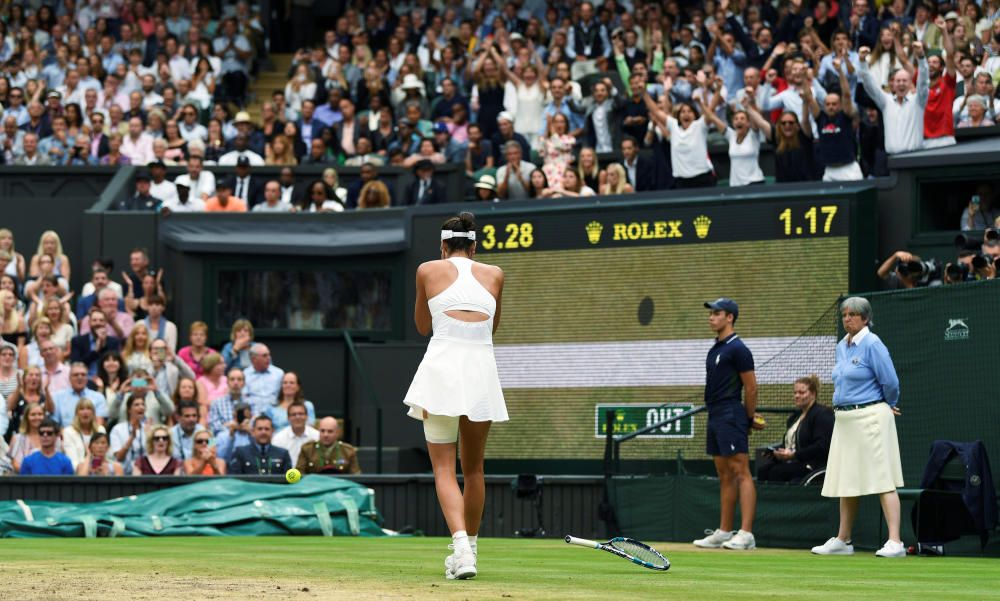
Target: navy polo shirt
[727,359]
[836,139]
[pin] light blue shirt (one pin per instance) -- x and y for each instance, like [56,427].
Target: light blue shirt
[262,387]
[183,443]
[864,372]
[730,68]
[225,443]
[66,399]
[576,120]
[826,66]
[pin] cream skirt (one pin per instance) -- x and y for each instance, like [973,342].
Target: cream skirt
[864,453]
[455,379]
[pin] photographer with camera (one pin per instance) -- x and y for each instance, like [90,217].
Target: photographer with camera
[980,214]
[159,407]
[977,259]
[904,270]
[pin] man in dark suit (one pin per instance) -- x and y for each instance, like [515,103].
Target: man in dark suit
[291,191]
[640,171]
[246,186]
[260,457]
[367,173]
[605,114]
[88,348]
[424,190]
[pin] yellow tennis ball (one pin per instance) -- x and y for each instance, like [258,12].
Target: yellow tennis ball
[293,475]
[760,420]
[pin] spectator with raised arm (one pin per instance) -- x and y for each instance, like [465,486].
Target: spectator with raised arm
[836,149]
[903,108]
[791,99]
[939,126]
[688,134]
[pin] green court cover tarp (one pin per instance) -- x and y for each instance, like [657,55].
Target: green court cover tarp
[316,505]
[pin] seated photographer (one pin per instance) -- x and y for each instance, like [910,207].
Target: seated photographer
[977,259]
[904,270]
[807,439]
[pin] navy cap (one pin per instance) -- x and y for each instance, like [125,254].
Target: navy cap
[724,304]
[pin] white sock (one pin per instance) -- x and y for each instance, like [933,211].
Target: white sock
[461,541]
[472,542]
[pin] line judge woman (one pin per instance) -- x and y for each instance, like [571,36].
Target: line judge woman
[457,388]
[864,451]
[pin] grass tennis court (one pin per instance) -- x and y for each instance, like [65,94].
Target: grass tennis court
[358,569]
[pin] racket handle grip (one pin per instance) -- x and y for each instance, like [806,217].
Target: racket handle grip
[583,542]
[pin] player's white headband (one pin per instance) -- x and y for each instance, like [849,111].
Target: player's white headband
[448,234]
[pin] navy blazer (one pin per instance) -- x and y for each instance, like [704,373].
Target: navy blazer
[978,493]
[812,439]
[80,349]
[249,460]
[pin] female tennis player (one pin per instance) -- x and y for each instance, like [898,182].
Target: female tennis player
[456,388]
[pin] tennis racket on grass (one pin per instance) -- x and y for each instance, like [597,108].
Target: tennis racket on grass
[630,549]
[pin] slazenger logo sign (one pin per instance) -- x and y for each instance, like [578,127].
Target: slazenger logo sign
[957,330]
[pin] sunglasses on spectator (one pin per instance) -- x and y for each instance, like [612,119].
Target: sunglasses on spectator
[46,433]
[201,441]
[161,438]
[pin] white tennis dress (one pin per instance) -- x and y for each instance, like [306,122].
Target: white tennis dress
[458,374]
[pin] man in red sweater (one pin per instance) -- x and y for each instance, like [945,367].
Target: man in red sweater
[939,126]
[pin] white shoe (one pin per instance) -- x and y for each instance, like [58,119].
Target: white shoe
[891,549]
[834,546]
[741,541]
[463,566]
[714,539]
[449,561]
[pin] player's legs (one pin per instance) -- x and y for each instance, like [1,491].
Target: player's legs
[441,433]
[727,493]
[739,465]
[472,449]
[849,511]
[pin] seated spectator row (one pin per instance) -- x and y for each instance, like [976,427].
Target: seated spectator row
[103,389]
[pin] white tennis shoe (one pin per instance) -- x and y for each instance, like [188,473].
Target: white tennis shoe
[714,539]
[834,546]
[891,549]
[741,541]
[450,563]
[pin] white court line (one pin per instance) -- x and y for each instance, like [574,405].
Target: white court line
[655,363]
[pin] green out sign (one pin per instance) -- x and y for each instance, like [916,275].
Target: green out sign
[631,418]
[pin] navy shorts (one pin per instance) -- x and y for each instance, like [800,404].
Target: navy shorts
[728,431]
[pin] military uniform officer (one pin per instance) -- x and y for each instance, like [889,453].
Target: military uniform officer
[260,457]
[328,455]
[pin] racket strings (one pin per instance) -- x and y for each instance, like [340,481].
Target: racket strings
[640,552]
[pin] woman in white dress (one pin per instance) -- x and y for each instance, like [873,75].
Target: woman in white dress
[524,97]
[744,139]
[456,388]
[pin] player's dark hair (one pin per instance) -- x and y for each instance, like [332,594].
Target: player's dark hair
[463,222]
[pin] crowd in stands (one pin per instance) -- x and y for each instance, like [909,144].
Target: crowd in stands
[531,96]
[100,387]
